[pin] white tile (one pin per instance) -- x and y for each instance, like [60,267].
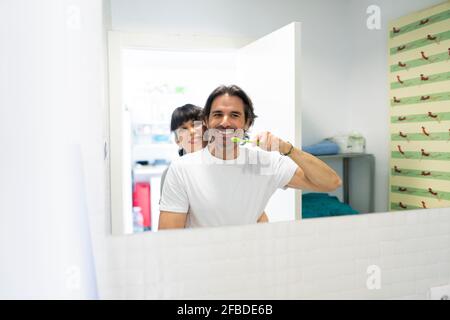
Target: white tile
[393,276]
[379,220]
[322,227]
[337,284]
[424,218]
[392,262]
[273,260]
[114,278]
[304,228]
[341,223]
[116,260]
[427,271]
[446,255]
[294,275]
[296,260]
[134,260]
[134,277]
[410,297]
[375,294]
[342,239]
[389,248]
[135,292]
[151,292]
[412,218]
[423,286]
[444,271]
[118,293]
[413,259]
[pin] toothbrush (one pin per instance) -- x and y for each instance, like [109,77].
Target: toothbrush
[244,141]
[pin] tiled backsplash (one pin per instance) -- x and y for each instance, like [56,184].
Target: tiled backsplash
[312,259]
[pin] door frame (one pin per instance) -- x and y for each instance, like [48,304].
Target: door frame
[120,196]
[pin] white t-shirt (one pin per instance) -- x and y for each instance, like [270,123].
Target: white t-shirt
[217,192]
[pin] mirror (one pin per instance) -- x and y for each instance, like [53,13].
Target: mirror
[152,74]
[152,82]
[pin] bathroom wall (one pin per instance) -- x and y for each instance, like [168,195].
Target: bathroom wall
[324,258]
[322,21]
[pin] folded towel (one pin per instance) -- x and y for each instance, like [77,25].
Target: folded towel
[325,147]
[315,205]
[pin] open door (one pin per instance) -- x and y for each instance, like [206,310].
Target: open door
[268,69]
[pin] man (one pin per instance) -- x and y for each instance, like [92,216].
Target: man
[225,184]
[188,128]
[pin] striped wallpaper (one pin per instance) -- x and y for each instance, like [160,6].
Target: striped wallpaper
[419,90]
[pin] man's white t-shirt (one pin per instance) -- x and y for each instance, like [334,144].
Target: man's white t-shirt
[217,192]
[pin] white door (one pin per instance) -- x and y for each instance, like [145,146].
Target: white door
[268,70]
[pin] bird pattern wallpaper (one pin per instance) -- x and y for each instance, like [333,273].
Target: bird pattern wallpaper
[419,93]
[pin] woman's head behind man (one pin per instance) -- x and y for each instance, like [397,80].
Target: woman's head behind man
[187,125]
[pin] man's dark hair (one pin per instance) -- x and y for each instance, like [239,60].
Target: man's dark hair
[235,91]
[183,114]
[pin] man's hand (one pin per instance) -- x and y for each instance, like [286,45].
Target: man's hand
[269,142]
[311,174]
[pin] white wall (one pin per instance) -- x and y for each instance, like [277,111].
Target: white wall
[50,95]
[321,21]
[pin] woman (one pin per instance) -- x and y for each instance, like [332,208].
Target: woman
[187,125]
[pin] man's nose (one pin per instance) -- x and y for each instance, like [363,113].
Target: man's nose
[225,122]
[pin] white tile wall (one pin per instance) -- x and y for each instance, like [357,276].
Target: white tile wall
[313,259]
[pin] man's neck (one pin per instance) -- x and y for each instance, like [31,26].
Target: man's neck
[224,153]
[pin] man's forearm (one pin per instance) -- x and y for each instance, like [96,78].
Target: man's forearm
[170,220]
[315,170]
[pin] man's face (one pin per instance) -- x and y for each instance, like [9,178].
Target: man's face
[227,118]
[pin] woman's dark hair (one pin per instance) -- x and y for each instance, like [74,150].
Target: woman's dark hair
[235,91]
[183,114]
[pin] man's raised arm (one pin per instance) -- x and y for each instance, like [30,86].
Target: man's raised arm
[311,174]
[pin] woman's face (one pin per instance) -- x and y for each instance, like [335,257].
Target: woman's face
[190,136]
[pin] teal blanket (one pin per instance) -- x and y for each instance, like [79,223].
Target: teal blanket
[315,205]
